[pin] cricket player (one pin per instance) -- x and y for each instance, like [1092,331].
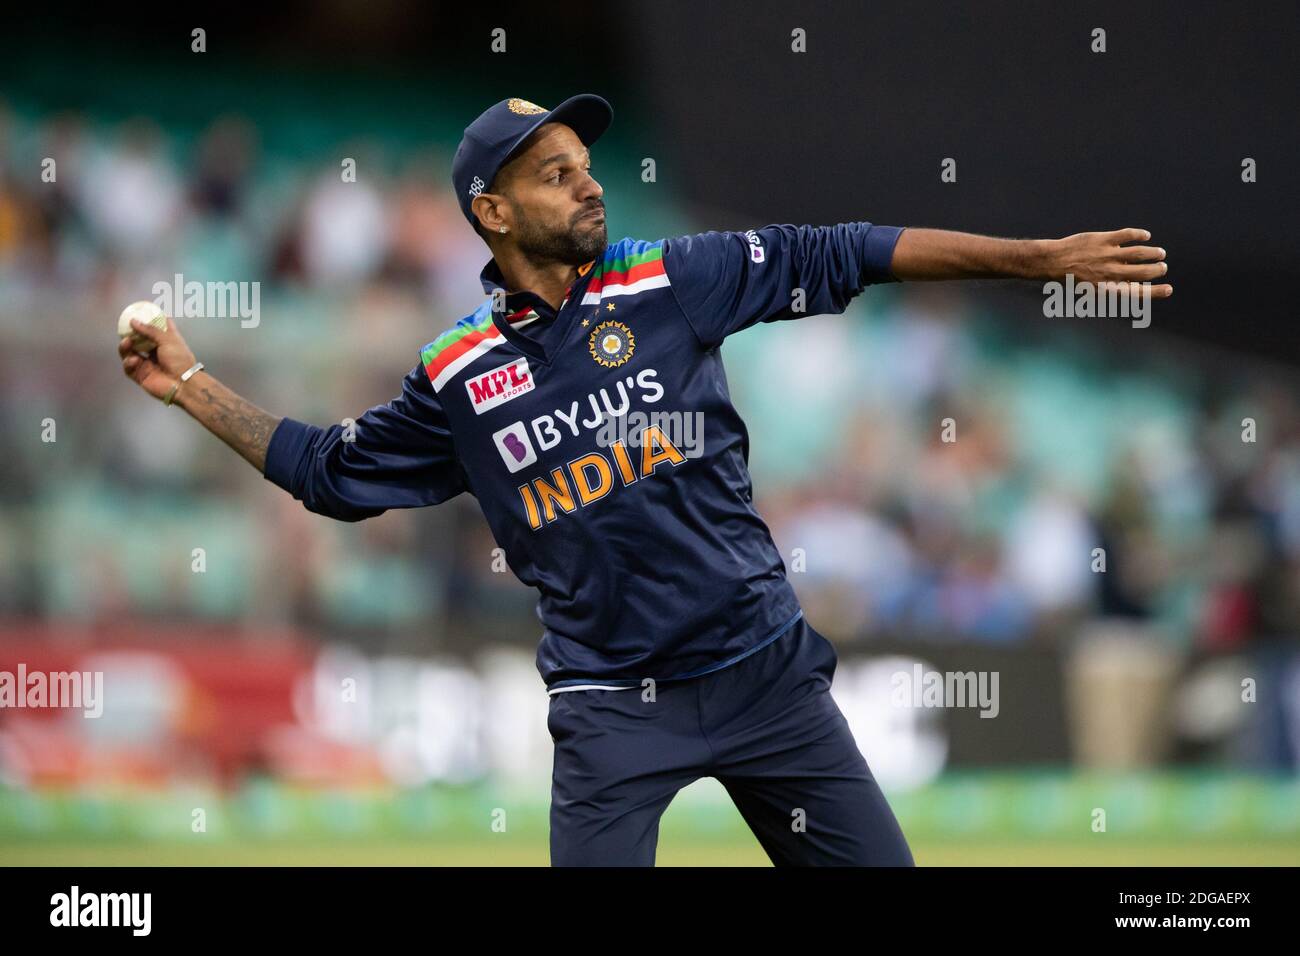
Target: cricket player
[673,645]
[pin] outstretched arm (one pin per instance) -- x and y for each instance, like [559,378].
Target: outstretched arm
[237,422]
[398,455]
[1091,257]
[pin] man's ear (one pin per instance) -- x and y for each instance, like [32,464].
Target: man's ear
[490,210]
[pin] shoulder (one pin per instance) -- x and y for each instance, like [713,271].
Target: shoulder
[630,251]
[703,252]
[458,346]
[631,262]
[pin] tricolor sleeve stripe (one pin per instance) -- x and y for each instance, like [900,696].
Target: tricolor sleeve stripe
[457,347]
[629,273]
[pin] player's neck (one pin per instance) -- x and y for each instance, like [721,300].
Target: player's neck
[548,280]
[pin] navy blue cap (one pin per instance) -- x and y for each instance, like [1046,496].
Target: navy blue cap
[490,139]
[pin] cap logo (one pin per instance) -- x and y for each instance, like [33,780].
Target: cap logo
[523,107]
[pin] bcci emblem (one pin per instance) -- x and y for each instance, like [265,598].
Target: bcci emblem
[611,344]
[523,107]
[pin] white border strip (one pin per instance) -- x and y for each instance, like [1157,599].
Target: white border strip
[490,340]
[640,285]
[561,690]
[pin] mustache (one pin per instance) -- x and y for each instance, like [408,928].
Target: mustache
[600,208]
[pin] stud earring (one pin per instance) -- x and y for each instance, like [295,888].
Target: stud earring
[503,228]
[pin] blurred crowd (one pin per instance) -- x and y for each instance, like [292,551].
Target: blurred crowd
[933,468]
[972,482]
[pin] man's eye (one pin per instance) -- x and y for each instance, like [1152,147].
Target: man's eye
[558,175]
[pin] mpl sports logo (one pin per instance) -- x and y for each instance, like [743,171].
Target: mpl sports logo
[498,386]
[755,246]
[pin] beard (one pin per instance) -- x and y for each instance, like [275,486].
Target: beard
[574,244]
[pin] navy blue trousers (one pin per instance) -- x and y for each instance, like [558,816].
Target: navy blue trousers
[766,727]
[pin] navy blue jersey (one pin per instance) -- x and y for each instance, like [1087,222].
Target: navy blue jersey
[602,445]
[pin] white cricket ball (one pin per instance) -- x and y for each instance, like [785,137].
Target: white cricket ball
[147,313]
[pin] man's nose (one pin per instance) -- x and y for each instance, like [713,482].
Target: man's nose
[589,189]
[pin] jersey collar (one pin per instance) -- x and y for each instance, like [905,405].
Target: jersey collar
[523,307]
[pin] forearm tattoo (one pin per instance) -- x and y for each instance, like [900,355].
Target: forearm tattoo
[239,423]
